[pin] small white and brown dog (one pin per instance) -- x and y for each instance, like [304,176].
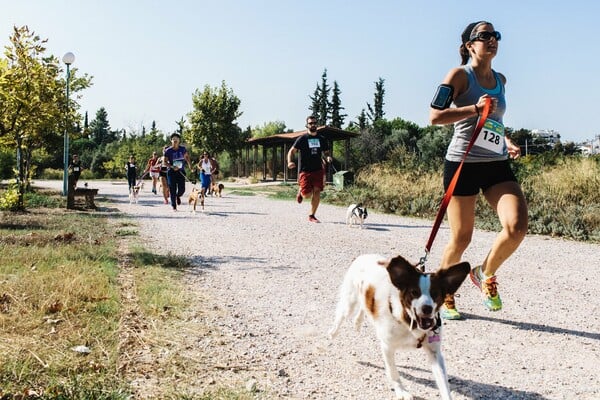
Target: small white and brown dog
[195,196]
[134,193]
[403,305]
[356,214]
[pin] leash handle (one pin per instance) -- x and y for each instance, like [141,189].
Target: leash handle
[450,190]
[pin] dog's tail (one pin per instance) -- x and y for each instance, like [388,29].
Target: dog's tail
[347,306]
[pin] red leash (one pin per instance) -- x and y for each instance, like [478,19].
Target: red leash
[450,190]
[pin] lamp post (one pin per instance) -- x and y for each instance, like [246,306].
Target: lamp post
[68,59]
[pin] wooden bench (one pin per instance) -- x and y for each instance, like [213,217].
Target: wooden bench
[89,195]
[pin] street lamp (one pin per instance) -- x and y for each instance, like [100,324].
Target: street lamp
[68,58]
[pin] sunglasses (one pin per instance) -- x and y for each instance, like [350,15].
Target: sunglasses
[484,36]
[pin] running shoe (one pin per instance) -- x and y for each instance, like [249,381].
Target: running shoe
[312,218]
[299,198]
[178,200]
[154,190]
[448,310]
[488,287]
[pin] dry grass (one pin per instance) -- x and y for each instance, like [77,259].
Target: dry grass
[57,274]
[415,193]
[564,200]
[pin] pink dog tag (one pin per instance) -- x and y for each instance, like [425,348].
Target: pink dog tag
[434,338]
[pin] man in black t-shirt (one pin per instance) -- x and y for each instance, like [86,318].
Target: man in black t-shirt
[312,147]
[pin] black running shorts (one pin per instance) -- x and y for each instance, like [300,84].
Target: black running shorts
[477,176]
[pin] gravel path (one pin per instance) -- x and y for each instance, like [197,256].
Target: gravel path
[274,278]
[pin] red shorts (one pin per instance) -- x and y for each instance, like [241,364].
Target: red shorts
[308,181]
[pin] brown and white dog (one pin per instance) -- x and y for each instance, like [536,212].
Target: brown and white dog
[195,196]
[216,189]
[403,304]
[134,193]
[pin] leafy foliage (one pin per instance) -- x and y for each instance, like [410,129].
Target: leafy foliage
[33,101]
[213,124]
[269,129]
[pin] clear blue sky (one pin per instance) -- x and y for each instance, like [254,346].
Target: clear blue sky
[148,57]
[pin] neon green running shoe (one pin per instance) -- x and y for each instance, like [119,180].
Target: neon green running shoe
[488,287]
[448,310]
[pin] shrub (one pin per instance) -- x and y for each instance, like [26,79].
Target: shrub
[9,200]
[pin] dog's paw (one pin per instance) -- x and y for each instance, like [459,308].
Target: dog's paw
[402,394]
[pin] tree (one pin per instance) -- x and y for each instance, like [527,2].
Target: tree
[180,126]
[86,126]
[213,124]
[320,106]
[376,112]
[362,120]
[33,102]
[337,118]
[100,129]
[269,129]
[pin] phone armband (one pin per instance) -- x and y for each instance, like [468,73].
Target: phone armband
[443,97]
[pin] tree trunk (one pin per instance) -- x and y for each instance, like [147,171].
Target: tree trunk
[20,175]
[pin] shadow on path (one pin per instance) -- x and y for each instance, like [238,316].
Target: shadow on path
[467,387]
[535,327]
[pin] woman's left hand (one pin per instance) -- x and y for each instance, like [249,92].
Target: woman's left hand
[514,151]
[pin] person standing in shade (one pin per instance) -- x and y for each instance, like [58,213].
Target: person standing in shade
[312,147]
[175,158]
[486,168]
[74,171]
[131,170]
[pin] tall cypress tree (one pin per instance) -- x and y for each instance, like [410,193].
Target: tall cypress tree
[376,112]
[316,100]
[324,106]
[337,118]
[320,106]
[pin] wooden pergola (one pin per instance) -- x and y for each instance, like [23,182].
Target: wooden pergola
[278,146]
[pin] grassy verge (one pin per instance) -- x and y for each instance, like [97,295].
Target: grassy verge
[59,306]
[85,311]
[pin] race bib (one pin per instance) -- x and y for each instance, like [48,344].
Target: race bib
[178,163]
[314,143]
[75,169]
[491,136]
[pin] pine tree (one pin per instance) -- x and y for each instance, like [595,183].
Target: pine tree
[316,100]
[320,106]
[100,128]
[376,112]
[324,106]
[337,118]
[86,126]
[362,120]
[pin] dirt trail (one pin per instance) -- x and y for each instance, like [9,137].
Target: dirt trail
[272,279]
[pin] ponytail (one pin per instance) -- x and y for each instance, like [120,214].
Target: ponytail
[466,37]
[464,54]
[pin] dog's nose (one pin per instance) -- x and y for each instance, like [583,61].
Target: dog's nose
[427,310]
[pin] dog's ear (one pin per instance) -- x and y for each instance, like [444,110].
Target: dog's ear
[453,277]
[402,273]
